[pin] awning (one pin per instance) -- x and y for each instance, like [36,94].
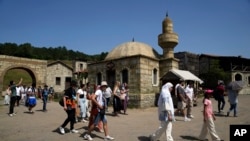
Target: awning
[181,74]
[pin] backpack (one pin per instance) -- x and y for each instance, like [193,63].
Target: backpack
[61,102]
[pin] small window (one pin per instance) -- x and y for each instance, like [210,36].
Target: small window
[99,78]
[58,81]
[81,66]
[154,76]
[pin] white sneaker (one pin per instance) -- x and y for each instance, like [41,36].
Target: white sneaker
[87,137]
[10,115]
[191,116]
[108,138]
[187,119]
[83,120]
[74,131]
[61,130]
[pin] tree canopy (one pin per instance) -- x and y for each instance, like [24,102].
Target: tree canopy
[47,53]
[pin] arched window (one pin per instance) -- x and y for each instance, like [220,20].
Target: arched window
[238,77]
[99,78]
[124,75]
[154,76]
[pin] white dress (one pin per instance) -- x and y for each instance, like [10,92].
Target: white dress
[83,102]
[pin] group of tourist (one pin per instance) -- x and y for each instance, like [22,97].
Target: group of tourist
[90,103]
[17,94]
[166,113]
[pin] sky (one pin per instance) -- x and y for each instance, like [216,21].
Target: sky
[215,27]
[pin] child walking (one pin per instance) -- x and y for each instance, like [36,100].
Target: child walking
[208,116]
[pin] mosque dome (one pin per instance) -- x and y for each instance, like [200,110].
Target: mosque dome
[132,49]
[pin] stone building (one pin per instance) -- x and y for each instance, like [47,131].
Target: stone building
[203,63]
[139,65]
[188,61]
[80,71]
[236,66]
[59,76]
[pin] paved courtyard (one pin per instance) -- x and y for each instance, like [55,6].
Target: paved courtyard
[136,126]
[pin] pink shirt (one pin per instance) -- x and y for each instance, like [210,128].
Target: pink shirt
[208,108]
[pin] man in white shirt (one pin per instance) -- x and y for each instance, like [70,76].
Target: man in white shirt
[23,93]
[100,101]
[189,90]
[18,94]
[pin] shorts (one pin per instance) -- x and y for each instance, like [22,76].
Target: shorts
[100,117]
[181,105]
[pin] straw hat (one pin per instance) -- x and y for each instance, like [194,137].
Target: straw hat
[104,83]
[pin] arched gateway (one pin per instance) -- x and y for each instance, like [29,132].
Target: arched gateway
[36,68]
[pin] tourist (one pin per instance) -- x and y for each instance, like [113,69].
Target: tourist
[94,108]
[220,90]
[182,100]
[31,97]
[70,104]
[116,98]
[51,93]
[165,113]
[100,102]
[208,119]
[13,96]
[39,92]
[7,96]
[189,90]
[18,95]
[82,102]
[233,90]
[44,97]
[23,94]
[107,95]
[124,97]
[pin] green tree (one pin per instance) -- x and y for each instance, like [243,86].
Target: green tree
[214,74]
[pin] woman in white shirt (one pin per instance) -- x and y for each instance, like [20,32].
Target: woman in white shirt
[82,102]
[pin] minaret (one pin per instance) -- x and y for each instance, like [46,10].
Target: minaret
[167,41]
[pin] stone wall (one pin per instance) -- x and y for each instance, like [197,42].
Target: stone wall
[36,68]
[189,61]
[140,69]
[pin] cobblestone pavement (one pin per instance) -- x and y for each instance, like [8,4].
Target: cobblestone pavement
[136,126]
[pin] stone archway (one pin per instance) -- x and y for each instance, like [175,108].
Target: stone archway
[31,73]
[37,69]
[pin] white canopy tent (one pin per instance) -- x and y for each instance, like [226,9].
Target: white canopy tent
[181,74]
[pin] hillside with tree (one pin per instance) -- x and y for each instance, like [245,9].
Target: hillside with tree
[26,50]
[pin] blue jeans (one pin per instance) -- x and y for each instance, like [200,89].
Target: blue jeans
[45,99]
[221,103]
[100,117]
[234,108]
